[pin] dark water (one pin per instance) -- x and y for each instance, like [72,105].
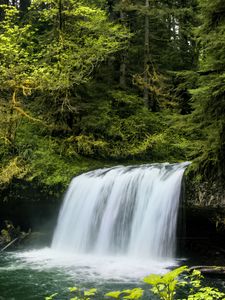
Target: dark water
[20,281]
[36,274]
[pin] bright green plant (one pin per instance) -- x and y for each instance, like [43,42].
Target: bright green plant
[51,296]
[207,293]
[42,60]
[78,294]
[82,295]
[135,293]
[166,287]
[197,292]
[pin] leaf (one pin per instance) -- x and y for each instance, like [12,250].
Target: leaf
[73,289]
[90,292]
[153,279]
[170,276]
[115,294]
[51,297]
[136,293]
[161,286]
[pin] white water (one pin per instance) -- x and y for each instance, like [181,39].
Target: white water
[122,212]
[115,225]
[89,268]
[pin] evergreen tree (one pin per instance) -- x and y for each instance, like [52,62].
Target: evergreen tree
[211,94]
[44,59]
[73,75]
[162,41]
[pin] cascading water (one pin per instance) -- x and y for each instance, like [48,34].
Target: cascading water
[116,226]
[128,211]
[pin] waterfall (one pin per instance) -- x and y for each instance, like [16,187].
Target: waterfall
[128,211]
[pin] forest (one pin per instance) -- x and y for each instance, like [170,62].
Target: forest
[132,92]
[86,84]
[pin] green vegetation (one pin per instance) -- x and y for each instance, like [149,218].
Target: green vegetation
[86,84]
[180,282]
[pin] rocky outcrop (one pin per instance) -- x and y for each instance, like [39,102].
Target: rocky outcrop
[204,206]
[206,201]
[30,205]
[205,194]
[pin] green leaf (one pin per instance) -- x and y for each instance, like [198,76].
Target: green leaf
[51,297]
[73,289]
[136,293]
[90,292]
[153,279]
[114,294]
[172,275]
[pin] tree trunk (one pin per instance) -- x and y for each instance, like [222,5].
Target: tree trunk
[24,5]
[122,61]
[174,28]
[10,134]
[60,15]
[210,270]
[146,56]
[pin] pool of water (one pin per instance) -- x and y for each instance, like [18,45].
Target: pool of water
[36,274]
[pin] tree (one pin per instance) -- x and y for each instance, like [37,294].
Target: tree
[44,58]
[17,66]
[210,95]
[57,51]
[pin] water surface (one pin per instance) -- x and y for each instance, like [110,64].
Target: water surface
[32,275]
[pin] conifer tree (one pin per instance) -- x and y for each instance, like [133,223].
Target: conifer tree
[211,93]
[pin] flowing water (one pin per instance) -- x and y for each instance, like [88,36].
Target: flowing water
[116,226]
[34,274]
[128,211]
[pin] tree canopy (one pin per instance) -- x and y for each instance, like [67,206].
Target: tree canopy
[89,83]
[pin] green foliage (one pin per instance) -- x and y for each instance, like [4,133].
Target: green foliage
[115,294]
[15,167]
[135,293]
[81,38]
[208,98]
[42,56]
[51,297]
[197,292]
[206,293]
[16,47]
[48,56]
[52,163]
[211,35]
[82,294]
[166,287]
[62,107]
